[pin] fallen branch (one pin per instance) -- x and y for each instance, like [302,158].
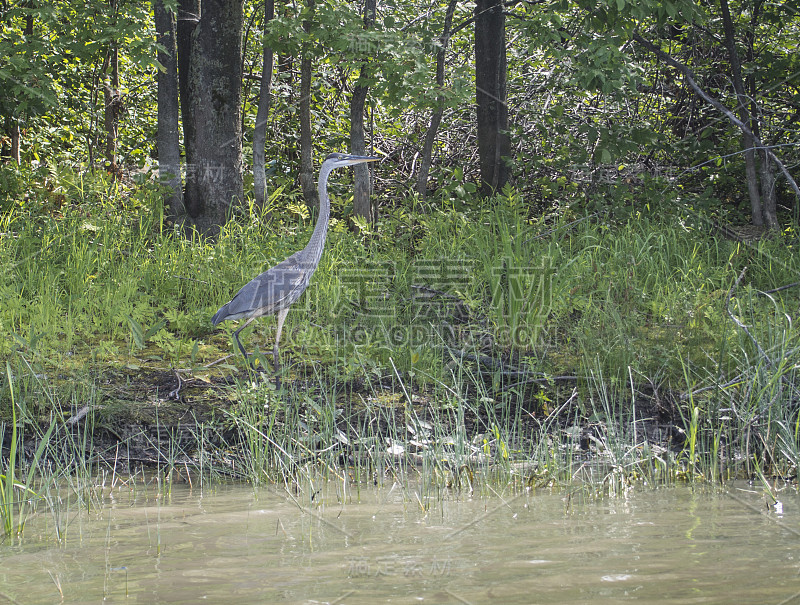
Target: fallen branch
[730,383]
[779,288]
[496,365]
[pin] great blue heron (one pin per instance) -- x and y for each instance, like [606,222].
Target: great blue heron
[276,289]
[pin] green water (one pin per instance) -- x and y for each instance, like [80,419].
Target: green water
[233,545]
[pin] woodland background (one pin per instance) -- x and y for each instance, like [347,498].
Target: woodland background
[579,106]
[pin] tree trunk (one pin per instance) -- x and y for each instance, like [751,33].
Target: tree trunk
[490,83]
[28,18]
[769,201]
[16,135]
[112,101]
[769,207]
[214,145]
[436,117]
[16,138]
[168,137]
[362,204]
[188,19]
[260,129]
[756,211]
[306,145]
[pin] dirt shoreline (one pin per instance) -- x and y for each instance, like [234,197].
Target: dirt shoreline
[153,418]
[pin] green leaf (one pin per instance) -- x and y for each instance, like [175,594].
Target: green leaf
[136,332]
[154,329]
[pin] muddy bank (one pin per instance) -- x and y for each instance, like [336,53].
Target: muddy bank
[156,418]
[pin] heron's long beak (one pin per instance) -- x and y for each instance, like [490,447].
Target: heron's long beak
[360,159]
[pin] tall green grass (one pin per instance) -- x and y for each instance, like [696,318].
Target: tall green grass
[16,485]
[457,330]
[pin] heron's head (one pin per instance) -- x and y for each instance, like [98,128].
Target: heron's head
[338,160]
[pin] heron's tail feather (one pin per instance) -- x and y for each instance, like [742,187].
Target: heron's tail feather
[219,316]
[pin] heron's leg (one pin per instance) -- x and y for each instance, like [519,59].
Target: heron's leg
[236,336]
[275,357]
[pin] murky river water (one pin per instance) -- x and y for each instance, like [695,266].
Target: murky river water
[231,545]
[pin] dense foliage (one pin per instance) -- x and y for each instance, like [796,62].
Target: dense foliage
[593,114]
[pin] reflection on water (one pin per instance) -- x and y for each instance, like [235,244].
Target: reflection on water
[231,545]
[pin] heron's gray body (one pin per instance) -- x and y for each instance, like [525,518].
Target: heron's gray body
[276,289]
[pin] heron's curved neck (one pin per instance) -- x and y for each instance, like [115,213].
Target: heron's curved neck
[317,241]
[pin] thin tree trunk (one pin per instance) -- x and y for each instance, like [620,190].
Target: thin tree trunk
[769,207]
[306,145]
[214,178]
[260,129]
[436,117]
[28,18]
[751,171]
[769,201]
[168,137]
[188,19]
[112,102]
[13,120]
[362,204]
[491,93]
[285,78]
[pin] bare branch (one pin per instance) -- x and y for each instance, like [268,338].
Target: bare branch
[687,73]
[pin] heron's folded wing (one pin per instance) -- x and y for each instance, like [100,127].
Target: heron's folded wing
[274,289]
